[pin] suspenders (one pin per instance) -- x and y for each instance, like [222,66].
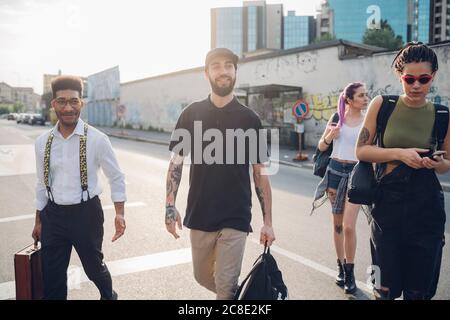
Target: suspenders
[83,165]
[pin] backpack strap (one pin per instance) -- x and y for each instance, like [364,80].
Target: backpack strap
[441,119]
[386,109]
[250,274]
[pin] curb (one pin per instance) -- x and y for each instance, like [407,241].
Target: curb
[445,186]
[295,165]
[161,142]
[119,136]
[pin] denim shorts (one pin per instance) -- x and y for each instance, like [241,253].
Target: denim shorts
[333,180]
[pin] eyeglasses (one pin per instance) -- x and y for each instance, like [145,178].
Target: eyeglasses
[62,102]
[423,79]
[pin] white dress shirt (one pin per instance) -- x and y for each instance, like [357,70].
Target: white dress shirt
[64,178]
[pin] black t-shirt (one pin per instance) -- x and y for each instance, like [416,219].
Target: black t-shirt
[220,190]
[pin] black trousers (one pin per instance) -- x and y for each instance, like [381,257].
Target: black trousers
[407,232]
[79,226]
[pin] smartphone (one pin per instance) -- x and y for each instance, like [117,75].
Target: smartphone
[332,125]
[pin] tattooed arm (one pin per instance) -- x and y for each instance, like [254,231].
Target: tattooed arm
[172,184]
[264,193]
[367,151]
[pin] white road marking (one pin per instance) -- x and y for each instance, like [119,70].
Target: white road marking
[311,264]
[17,159]
[7,290]
[154,261]
[108,207]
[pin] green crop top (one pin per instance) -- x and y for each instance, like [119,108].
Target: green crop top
[409,127]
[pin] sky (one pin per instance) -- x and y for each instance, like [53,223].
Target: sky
[143,37]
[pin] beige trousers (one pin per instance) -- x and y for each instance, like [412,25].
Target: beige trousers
[217,260]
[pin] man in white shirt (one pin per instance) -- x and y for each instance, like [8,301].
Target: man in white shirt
[69,213]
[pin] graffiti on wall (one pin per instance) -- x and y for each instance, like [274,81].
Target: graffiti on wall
[307,62]
[322,106]
[284,68]
[372,91]
[173,111]
[164,118]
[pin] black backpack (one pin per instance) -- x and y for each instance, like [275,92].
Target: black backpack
[264,281]
[322,158]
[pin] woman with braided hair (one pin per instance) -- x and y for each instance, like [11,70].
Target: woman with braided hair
[407,229]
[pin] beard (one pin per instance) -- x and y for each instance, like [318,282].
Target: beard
[222,91]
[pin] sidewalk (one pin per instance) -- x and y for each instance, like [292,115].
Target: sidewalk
[286,153]
[163,138]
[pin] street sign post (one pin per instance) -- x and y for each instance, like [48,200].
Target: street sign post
[300,110]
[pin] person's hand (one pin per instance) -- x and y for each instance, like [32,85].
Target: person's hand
[433,164]
[173,219]
[120,226]
[412,158]
[36,234]
[333,134]
[267,234]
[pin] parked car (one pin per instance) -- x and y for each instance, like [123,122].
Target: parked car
[37,118]
[26,118]
[19,118]
[12,116]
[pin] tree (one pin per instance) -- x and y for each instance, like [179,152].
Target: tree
[4,109]
[384,37]
[46,100]
[18,107]
[325,37]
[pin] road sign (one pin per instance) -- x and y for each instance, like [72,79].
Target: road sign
[300,109]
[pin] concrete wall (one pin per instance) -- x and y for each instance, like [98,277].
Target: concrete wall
[158,101]
[103,97]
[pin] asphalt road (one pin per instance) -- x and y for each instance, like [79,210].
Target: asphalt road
[147,262]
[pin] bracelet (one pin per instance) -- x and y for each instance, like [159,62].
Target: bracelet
[325,141]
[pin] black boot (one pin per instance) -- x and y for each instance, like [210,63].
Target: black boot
[340,276]
[349,282]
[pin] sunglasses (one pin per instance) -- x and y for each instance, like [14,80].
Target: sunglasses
[423,79]
[62,102]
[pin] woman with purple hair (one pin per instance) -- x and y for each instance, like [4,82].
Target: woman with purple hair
[343,135]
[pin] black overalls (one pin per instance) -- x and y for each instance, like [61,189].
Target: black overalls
[407,232]
[80,226]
